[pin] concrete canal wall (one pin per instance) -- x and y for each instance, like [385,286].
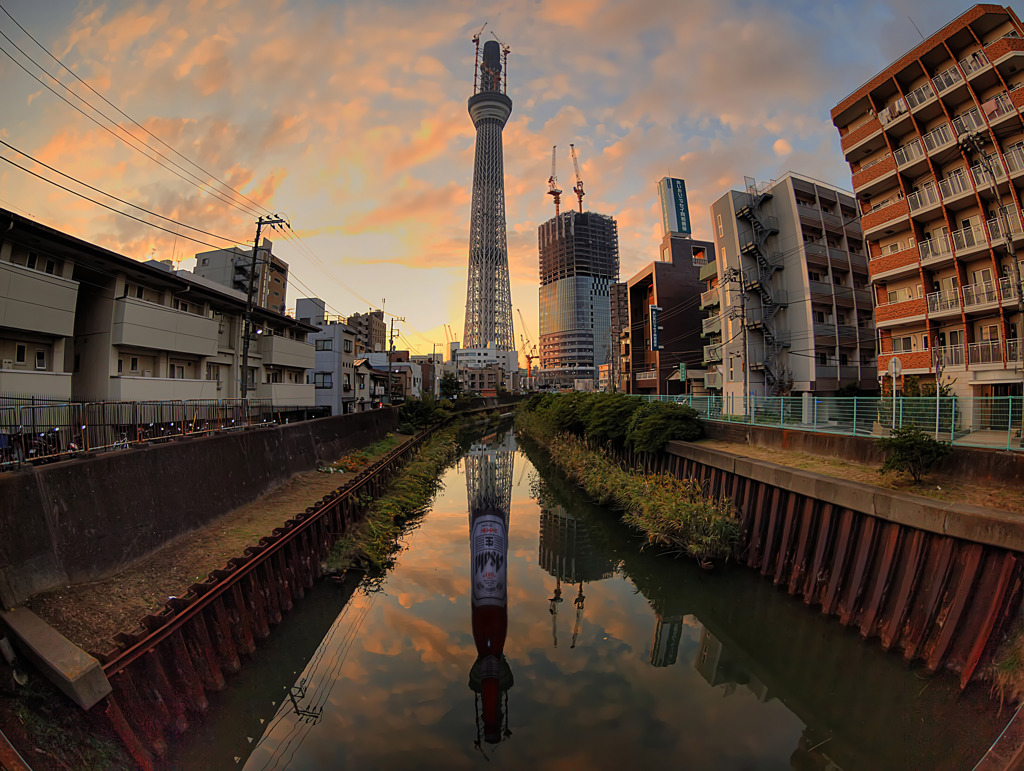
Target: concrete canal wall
[85,518]
[936,581]
[990,465]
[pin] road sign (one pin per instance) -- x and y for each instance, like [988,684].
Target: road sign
[895,367]
[682,373]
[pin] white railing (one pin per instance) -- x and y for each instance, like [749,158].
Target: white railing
[892,199]
[979,294]
[981,175]
[973,63]
[938,137]
[1013,350]
[1007,289]
[985,352]
[997,106]
[954,185]
[950,355]
[925,196]
[947,79]
[995,226]
[909,152]
[947,300]
[934,247]
[969,121]
[968,238]
[920,95]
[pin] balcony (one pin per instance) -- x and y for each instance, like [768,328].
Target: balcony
[1013,350]
[817,254]
[983,293]
[713,380]
[1007,290]
[938,138]
[981,176]
[895,263]
[868,178]
[856,136]
[947,79]
[713,352]
[941,302]
[954,186]
[950,355]
[288,394]
[711,326]
[821,291]
[968,240]
[708,271]
[985,352]
[908,153]
[883,213]
[285,352]
[968,122]
[894,111]
[900,312]
[973,64]
[923,198]
[34,300]
[148,325]
[1015,160]
[920,95]
[709,298]
[826,372]
[159,389]
[935,249]
[995,226]
[848,372]
[998,107]
[48,385]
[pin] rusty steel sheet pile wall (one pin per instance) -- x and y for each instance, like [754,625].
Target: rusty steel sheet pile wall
[83,519]
[162,672]
[936,582]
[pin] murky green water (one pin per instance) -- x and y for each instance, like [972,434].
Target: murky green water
[580,652]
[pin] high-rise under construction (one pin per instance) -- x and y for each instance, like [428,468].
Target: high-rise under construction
[579,260]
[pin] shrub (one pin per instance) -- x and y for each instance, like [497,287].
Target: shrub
[607,419]
[421,413]
[911,450]
[655,424]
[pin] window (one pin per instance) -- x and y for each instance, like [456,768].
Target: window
[324,345]
[20,353]
[902,344]
[323,380]
[177,371]
[31,261]
[138,292]
[40,359]
[348,346]
[206,261]
[721,231]
[134,364]
[50,267]
[120,366]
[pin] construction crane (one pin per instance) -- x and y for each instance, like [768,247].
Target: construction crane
[578,189]
[527,348]
[504,63]
[553,190]
[476,60]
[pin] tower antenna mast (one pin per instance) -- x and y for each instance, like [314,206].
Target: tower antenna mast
[578,189]
[553,190]
[476,58]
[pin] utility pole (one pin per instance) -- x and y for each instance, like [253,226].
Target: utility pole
[247,325]
[968,143]
[391,348]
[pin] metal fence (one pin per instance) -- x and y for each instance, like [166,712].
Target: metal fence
[993,422]
[33,428]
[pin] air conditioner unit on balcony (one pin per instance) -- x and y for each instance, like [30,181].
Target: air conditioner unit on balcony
[7,364]
[147,373]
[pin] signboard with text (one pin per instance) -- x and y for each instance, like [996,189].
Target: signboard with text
[675,213]
[655,329]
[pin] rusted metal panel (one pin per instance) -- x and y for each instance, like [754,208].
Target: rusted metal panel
[980,622]
[143,714]
[884,568]
[840,556]
[759,502]
[127,735]
[905,580]
[798,572]
[855,582]
[156,678]
[257,602]
[204,655]
[223,640]
[932,582]
[186,680]
[783,563]
[817,576]
[959,590]
[241,621]
[775,514]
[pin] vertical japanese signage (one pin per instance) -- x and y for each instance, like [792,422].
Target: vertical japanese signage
[675,213]
[655,329]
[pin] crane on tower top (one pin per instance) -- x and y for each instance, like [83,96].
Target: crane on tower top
[578,188]
[553,190]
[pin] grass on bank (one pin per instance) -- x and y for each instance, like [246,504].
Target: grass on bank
[1006,672]
[356,461]
[372,545]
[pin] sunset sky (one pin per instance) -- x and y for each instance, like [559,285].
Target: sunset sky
[350,118]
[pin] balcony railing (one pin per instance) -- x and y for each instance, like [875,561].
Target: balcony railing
[968,238]
[950,355]
[985,352]
[713,352]
[981,175]
[995,226]
[909,152]
[973,63]
[712,379]
[920,95]
[979,294]
[967,122]
[997,106]
[1007,289]
[1013,350]
[934,247]
[1015,160]
[712,325]
[919,199]
[943,301]
[954,185]
[947,79]
[938,138]
[709,297]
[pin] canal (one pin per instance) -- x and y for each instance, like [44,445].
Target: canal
[560,644]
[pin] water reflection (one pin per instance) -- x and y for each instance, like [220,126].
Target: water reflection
[489,486]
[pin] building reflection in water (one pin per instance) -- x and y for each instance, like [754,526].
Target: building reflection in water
[489,487]
[568,555]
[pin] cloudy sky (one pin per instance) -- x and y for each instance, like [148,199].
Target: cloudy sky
[350,118]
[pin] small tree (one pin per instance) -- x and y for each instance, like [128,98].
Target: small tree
[655,424]
[450,386]
[911,450]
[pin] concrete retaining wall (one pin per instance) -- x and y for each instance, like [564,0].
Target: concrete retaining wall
[984,465]
[83,519]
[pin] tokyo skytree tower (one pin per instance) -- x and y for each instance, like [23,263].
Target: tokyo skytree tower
[488,296]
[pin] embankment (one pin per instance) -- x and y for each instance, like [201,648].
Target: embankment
[85,518]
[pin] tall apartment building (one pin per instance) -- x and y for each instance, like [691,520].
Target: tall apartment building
[579,261]
[371,331]
[333,373]
[231,267]
[935,143]
[790,308]
[619,301]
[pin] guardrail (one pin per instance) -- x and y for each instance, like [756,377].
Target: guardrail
[992,422]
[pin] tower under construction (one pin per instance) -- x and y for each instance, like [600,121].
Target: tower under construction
[488,296]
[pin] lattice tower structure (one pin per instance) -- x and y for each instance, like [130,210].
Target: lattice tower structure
[579,262]
[489,475]
[488,294]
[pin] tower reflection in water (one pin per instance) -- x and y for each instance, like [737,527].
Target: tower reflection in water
[489,487]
